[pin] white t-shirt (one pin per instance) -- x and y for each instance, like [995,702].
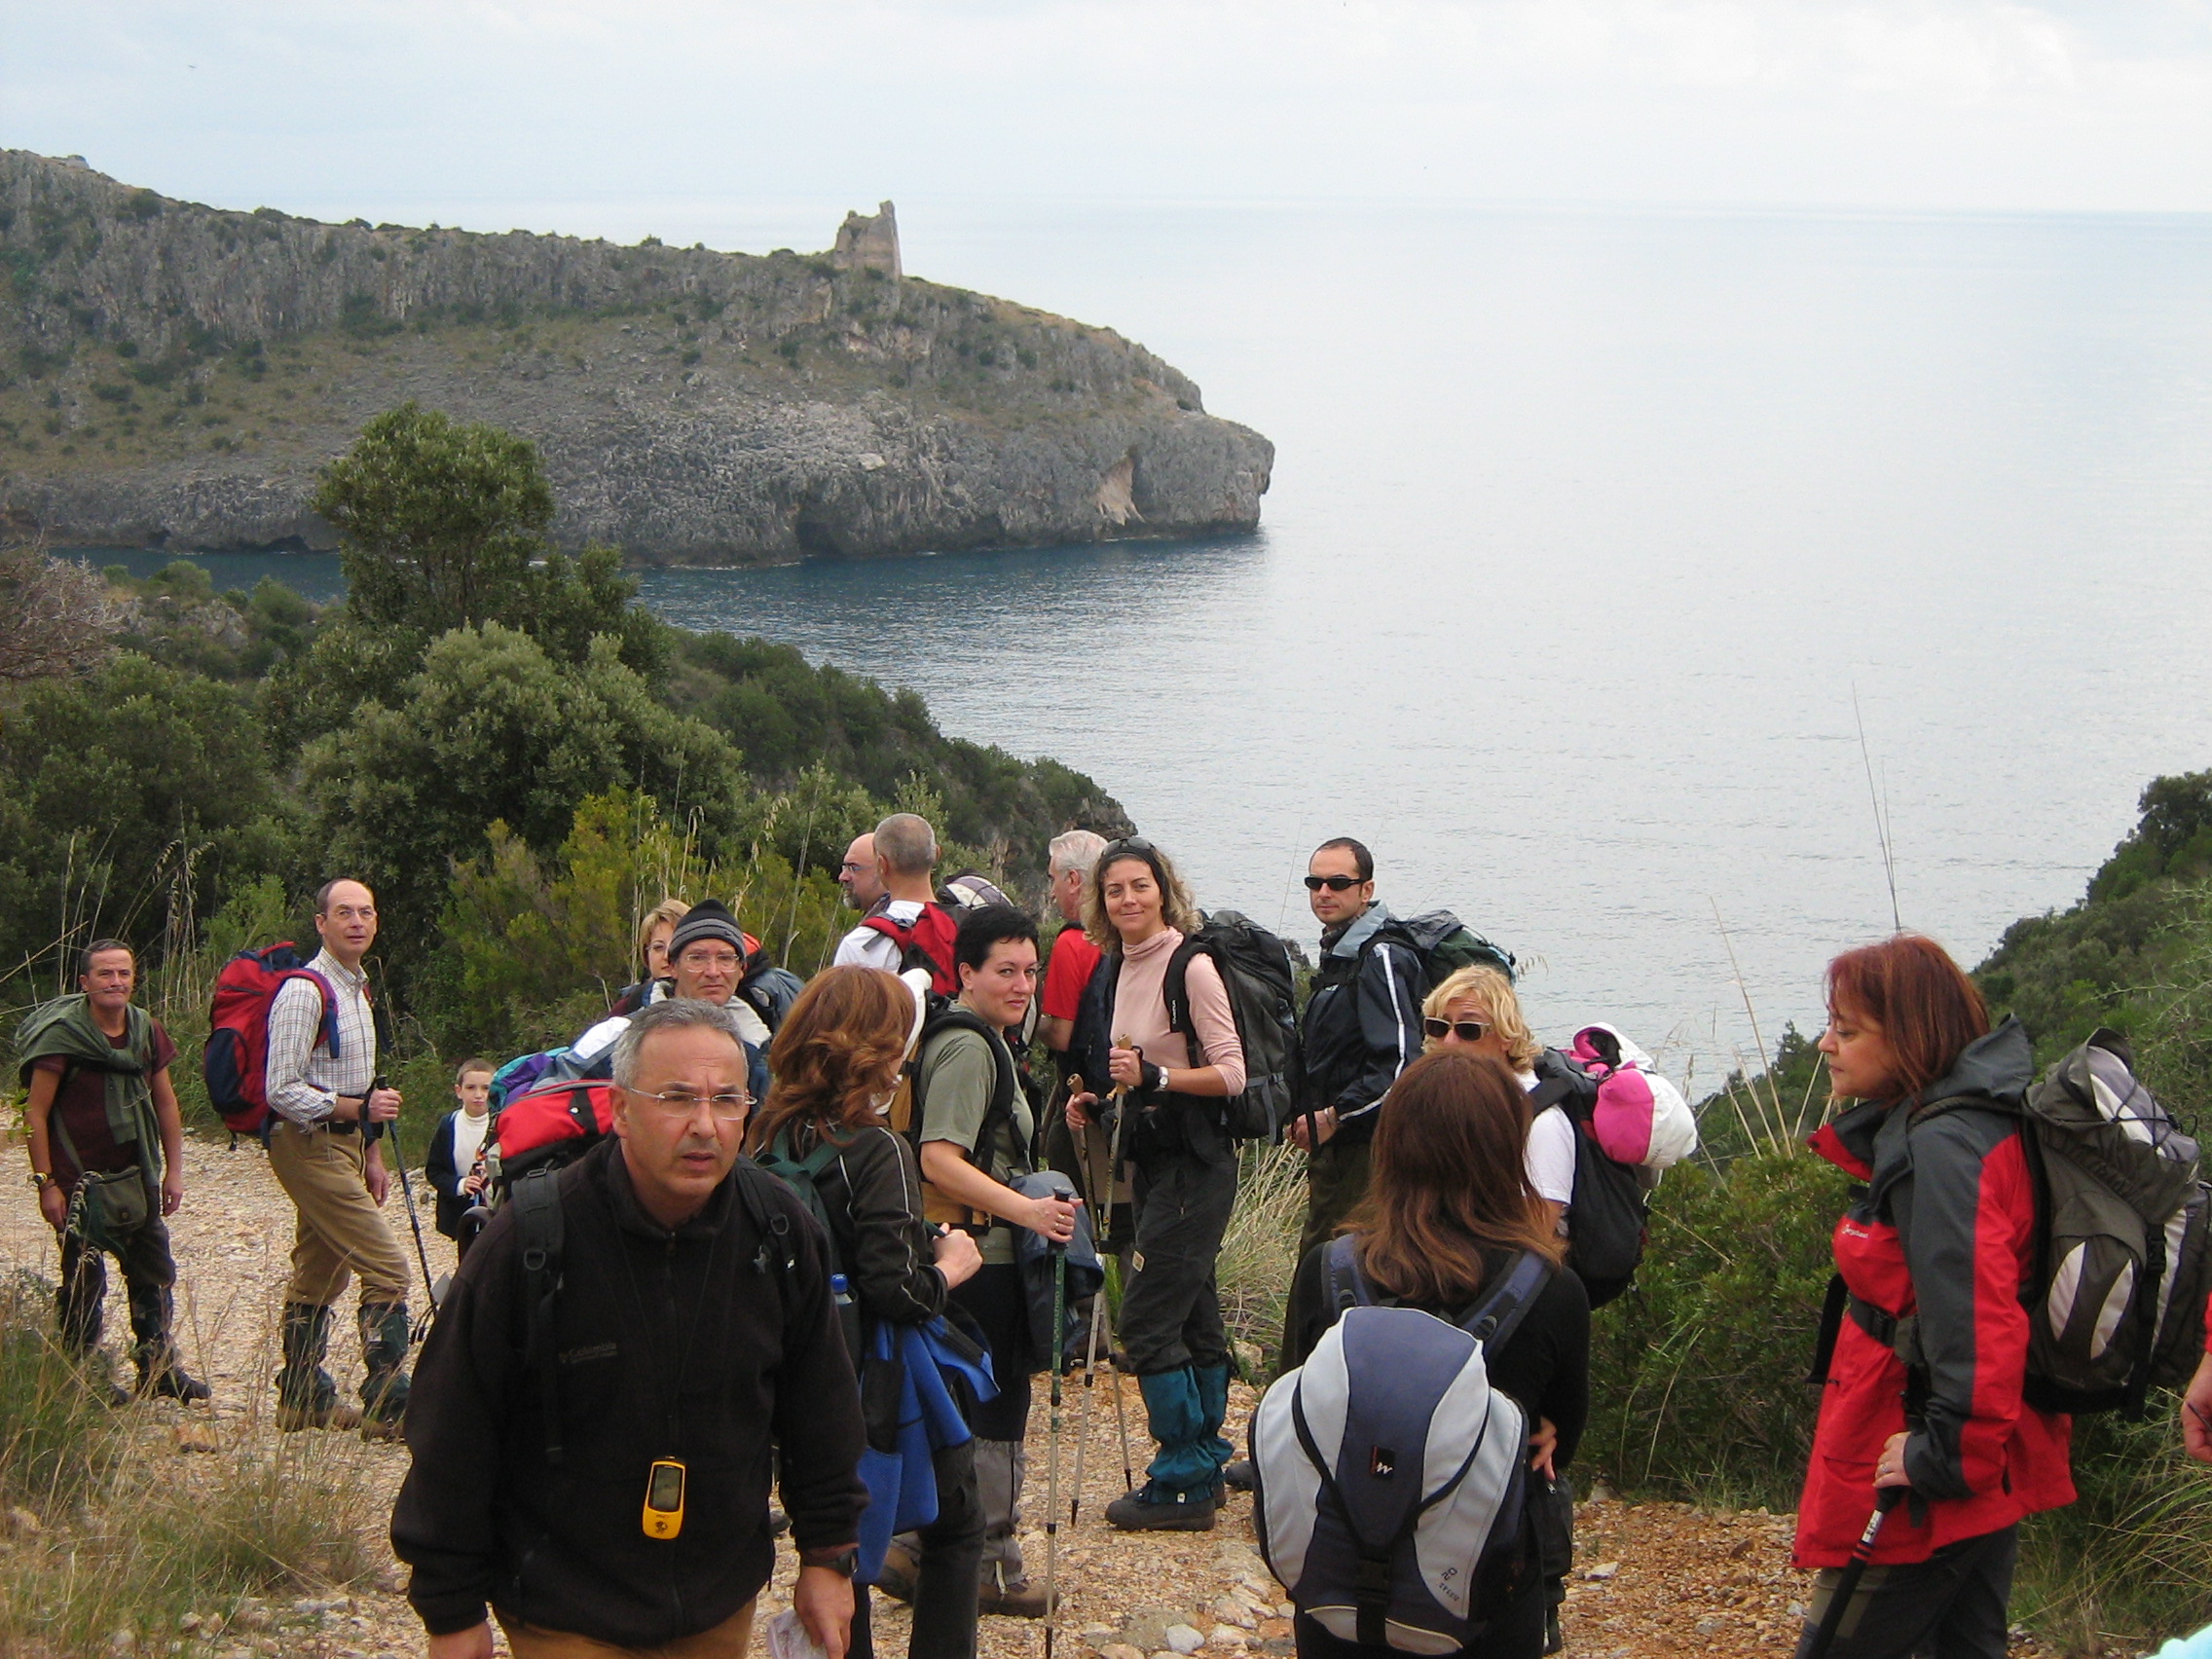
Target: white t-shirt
[1550,1156]
[867,947]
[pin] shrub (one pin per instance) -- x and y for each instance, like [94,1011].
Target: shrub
[1704,1360]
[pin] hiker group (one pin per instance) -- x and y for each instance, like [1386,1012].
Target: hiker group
[749,1239]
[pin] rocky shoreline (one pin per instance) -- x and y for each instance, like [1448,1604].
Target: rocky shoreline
[180,373]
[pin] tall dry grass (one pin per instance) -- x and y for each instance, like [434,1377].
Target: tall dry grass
[120,1542]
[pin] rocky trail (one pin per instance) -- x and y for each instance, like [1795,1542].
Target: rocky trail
[1651,1578]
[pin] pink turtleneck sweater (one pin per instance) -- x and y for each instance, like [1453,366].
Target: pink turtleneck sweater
[1140,1010]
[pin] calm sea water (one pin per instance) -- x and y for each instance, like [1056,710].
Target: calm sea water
[1593,540]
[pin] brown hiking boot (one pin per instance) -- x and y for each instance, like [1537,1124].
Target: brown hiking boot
[1021,1600]
[334,1413]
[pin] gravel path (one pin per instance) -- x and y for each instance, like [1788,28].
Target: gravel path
[1652,1579]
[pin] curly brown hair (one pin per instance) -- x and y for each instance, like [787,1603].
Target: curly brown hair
[835,1058]
[1449,1181]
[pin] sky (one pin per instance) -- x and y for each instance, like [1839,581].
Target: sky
[744,123]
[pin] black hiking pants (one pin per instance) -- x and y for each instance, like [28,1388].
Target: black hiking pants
[149,1275]
[1170,1307]
[1952,1605]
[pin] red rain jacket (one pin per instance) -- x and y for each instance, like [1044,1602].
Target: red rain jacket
[1943,1232]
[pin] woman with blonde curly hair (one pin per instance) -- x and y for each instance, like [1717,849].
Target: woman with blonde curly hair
[836,1060]
[1476,1011]
[1137,910]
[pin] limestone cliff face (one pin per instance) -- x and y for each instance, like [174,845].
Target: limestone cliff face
[175,375]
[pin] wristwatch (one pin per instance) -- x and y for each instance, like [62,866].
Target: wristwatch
[845,1559]
[41,1179]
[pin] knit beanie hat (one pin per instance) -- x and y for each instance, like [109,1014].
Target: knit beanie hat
[708,919]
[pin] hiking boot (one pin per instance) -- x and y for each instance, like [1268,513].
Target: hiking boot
[306,1395]
[333,1413]
[171,1382]
[1021,1600]
[386,1336]
[1238,1475]
[1153,1508]
[900,1567]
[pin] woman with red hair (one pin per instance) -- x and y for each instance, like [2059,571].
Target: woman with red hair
[1923,1385]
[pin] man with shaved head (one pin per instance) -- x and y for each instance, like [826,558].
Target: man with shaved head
[911,929]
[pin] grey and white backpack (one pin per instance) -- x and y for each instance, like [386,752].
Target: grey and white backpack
[1392,1478]
[2123,1255]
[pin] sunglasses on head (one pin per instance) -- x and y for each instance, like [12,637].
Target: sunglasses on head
[1334,883]
[1127,844]
[1466,1030]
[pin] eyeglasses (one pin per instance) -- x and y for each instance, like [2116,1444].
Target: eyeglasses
[683,1103]
[1127,844]
[1334,883]
[1466,1030]
[725,960]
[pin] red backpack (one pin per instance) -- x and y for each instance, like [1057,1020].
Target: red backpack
[924,942]
[552,1125]
[236,1061]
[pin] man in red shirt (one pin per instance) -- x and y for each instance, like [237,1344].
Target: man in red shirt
[100,1104]
[1072,858]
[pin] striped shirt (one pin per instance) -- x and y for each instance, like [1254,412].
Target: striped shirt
[304,1078]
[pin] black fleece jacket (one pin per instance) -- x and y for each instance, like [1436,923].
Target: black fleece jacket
[873,1196]
[671,1345]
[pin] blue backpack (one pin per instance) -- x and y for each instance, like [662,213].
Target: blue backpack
[1392,1498]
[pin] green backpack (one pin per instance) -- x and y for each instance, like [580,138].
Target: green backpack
[1446,944]
[802,1175]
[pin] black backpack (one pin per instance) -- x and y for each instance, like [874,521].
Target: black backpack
[1607,1221]
[1255,970]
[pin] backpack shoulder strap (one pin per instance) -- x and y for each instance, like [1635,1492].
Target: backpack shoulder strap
[1347,1285]
[1493,1319]
[540,1230]
[1175,988]
[1004,1082]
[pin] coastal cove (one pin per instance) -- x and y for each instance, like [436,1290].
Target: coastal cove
[1579,551]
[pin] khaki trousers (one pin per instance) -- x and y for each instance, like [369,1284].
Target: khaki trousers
[726,1640]
[340,1230]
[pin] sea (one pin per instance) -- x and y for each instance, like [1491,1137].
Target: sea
[1679,596]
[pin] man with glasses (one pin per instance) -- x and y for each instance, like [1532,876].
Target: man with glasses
[1361,1029]
[705,957]
[864,887]
[694,1332]
[326,1114]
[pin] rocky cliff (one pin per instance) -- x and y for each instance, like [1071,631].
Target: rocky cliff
[174,375]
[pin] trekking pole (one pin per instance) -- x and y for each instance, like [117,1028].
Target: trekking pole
[1097,1307]
[407,1197]
[1853,1570]
[1052,1455]
[1112,1175]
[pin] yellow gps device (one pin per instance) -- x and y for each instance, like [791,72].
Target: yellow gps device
[664,1500]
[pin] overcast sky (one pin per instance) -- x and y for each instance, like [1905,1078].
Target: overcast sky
[732,121]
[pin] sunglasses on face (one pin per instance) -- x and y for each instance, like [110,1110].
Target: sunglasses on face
[1466,1030]
[1334,883]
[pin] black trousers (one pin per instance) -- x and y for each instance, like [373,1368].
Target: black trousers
[1170,1307]
[949,1569]
[149,1275]
[1952,1605]
[997,1302]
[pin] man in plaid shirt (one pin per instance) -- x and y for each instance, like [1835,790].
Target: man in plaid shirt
[321,1098]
